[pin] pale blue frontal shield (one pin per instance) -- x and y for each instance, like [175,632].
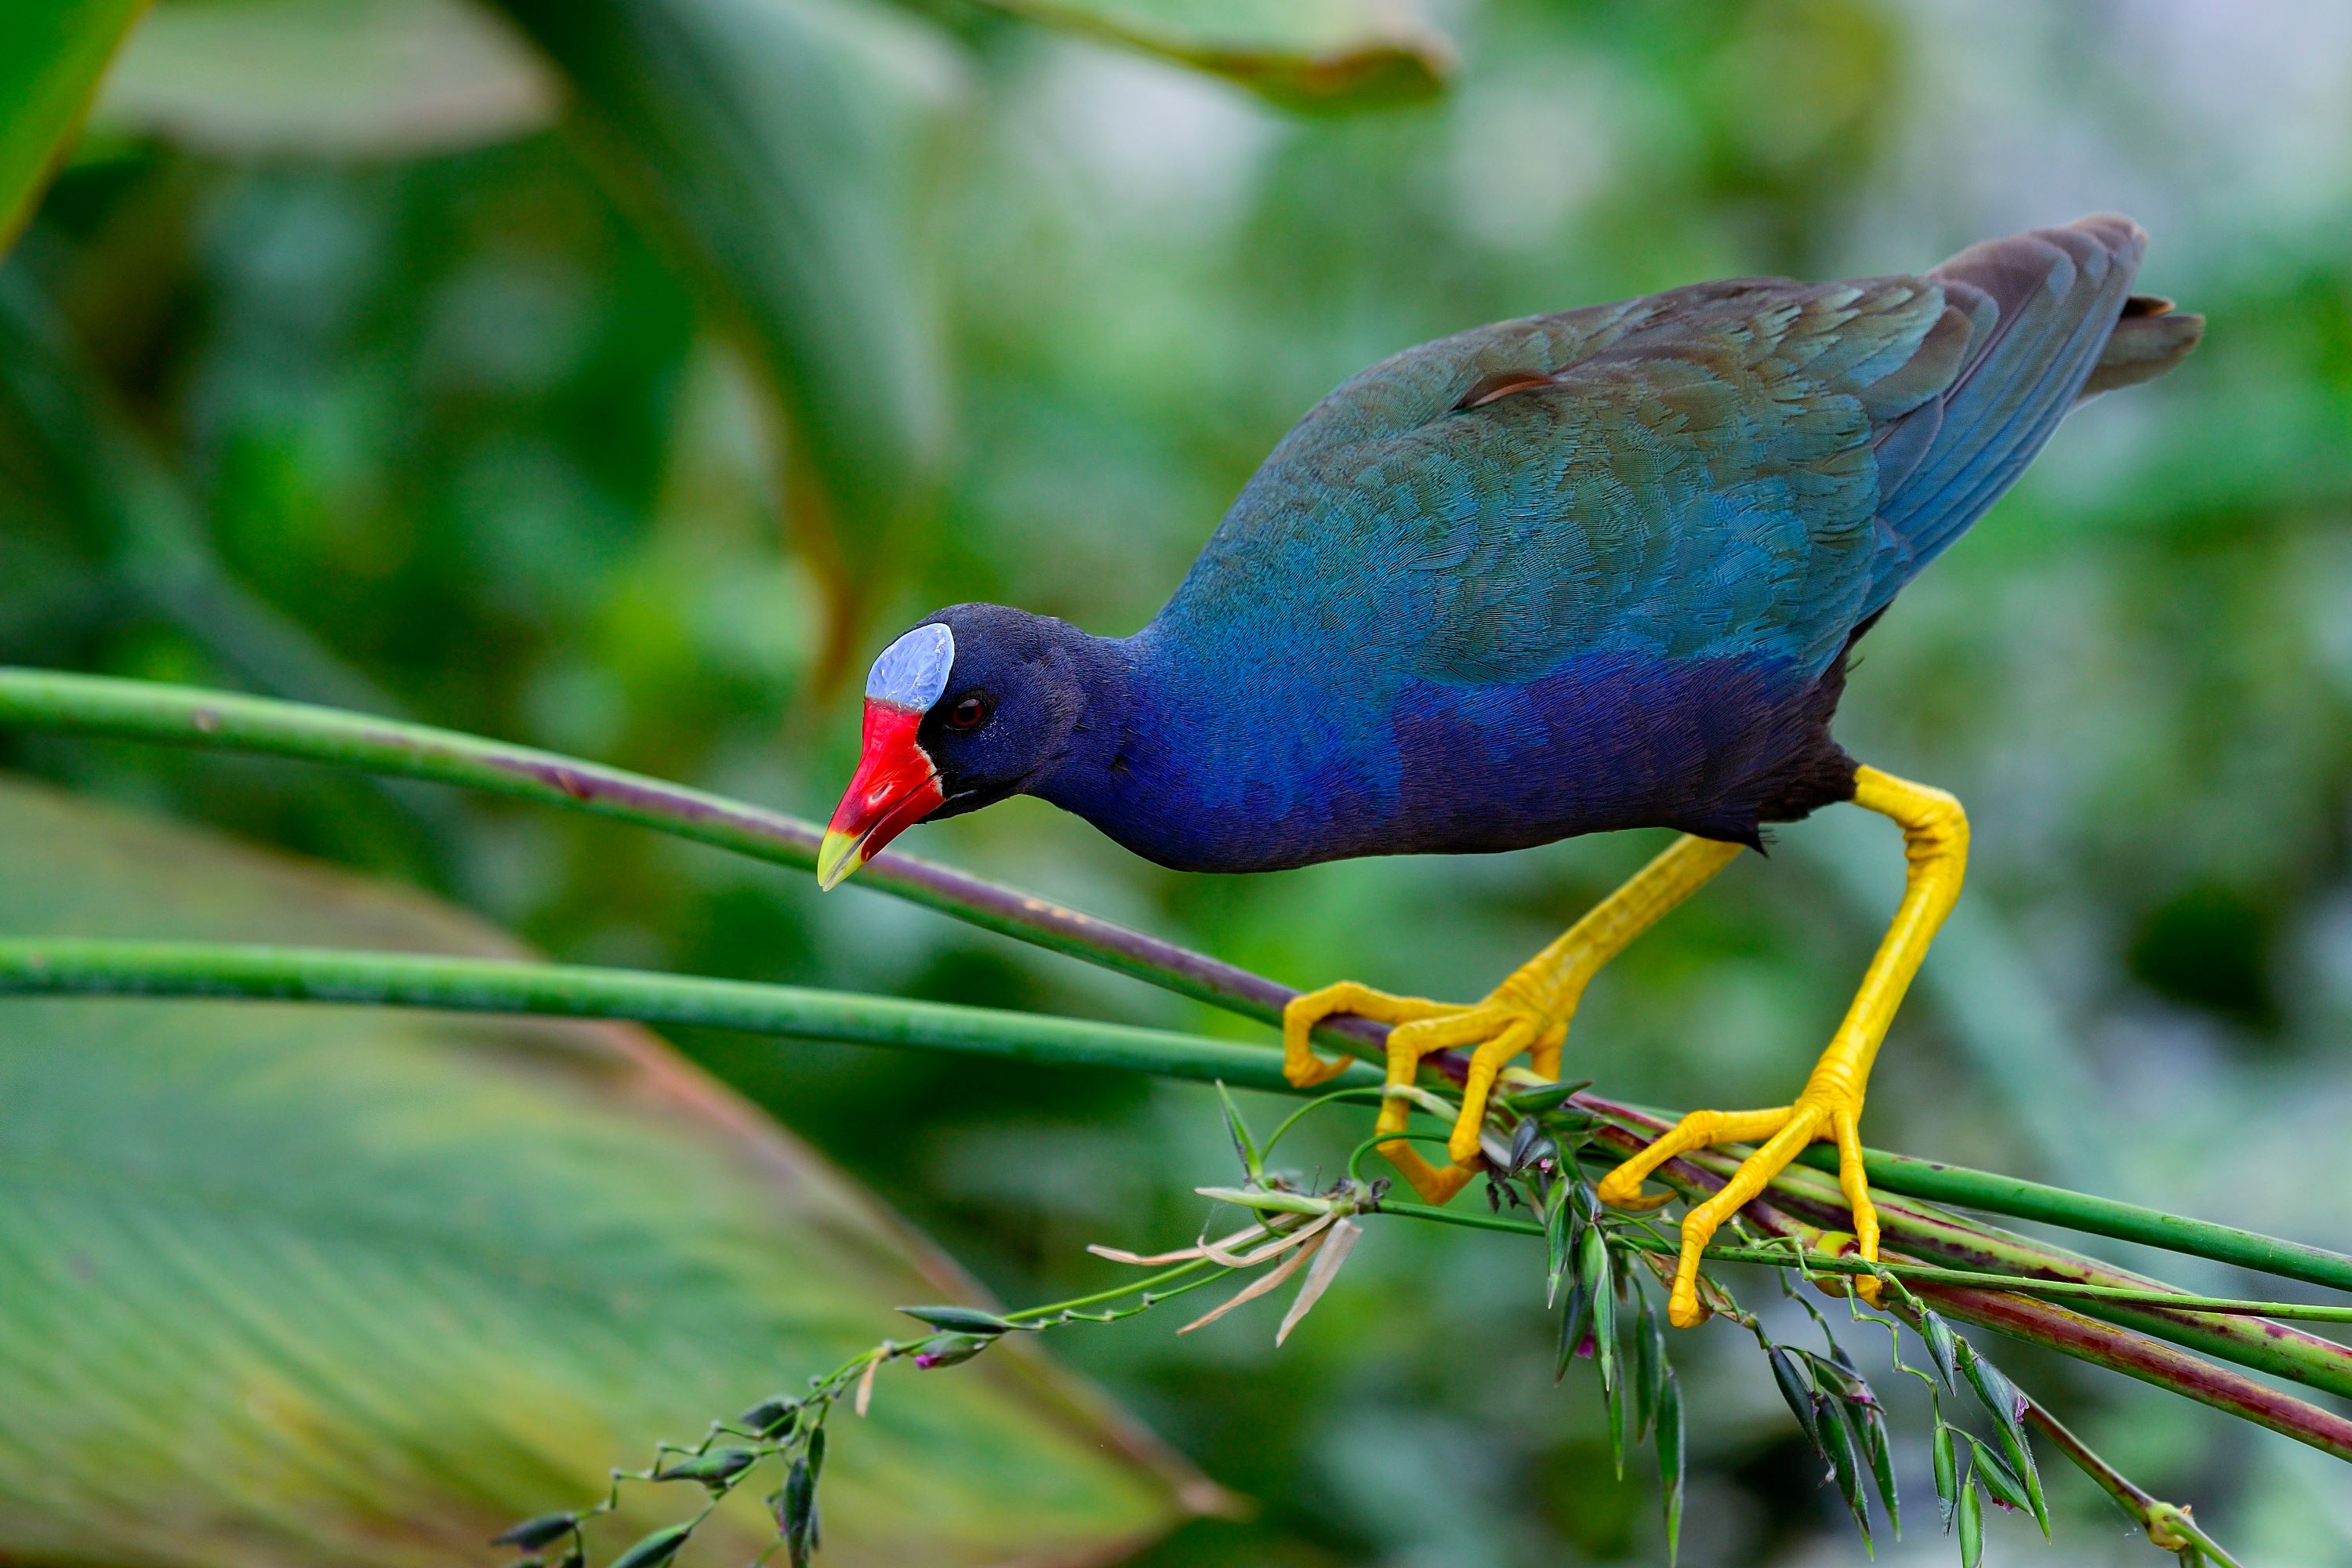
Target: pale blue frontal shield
[913,671]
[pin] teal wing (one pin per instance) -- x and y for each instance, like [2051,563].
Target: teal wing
[1749,469]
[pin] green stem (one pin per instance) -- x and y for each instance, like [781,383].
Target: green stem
[2167,1524]
[31,966]
[201,970]
[2044,1323]
[2143,1305]
[1928,1273]
[222,720]
[2019,1199]
[1989,1191]
[44,966]
[1923,1231]
[97,705]
[1149,1286]
[91,705]
[2136,1355]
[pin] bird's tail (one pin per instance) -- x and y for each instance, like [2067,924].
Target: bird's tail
[2050,319]
[2150,339]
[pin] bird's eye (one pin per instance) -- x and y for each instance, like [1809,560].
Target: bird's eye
[968,714]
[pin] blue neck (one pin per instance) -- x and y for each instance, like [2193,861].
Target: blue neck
[1211,764]
[1211,753]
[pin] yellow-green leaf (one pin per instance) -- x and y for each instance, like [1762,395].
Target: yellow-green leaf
[51,55]
[300,1285]
[1308,54]
[327,78]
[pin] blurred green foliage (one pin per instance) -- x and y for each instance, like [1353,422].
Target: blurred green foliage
[50,61]
[458,423]
[365,1288]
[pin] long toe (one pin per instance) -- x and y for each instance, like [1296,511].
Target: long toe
[1437,1185]
[1785,1130]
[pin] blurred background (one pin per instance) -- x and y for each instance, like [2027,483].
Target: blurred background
[339,366]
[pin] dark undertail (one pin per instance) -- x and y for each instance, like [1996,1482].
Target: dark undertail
[1818,771]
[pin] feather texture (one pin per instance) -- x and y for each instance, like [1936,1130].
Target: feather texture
[1600,569]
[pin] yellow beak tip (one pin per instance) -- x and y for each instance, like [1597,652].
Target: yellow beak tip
[837,859]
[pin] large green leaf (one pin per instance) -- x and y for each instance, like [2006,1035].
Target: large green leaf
[51,54]
[786,146]
[326,78]
[292,1284]
[1309,54]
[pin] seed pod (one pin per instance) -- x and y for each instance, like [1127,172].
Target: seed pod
[1525,1137]
[796,1512]
[1613,1396]
[1879,1450]
[533,1533]
[1798,1390]
[1649,1367]
[960,1320]
[1574,1318]
[1244,1146]
[713,1469]
[1563,1231]
[1999,1479]
[1841,1381]
[772,1417]
[1972,1522]
[1993,1390]
[1533,1101]
[947,1349]
[1845,1464]
[1948,1476]
[2001,1397]
[1670,1462]
[656,1549]
[1593,1264]
[1942,1347]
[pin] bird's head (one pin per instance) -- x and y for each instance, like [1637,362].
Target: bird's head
[974,704]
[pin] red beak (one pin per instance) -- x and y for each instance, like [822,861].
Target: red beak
[895,787]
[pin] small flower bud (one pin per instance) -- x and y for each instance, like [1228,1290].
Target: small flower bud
[947,1349]
[772,1417]
[533,1533]
[960,1319]
[796,1513]
[713,1469]
[655,1550]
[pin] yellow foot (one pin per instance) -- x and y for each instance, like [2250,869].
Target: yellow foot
[1936,845]
[1497,1029]
[1820,1113]
[1527,1012]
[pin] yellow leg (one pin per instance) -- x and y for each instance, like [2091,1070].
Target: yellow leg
[1528,1012]
[1936,842]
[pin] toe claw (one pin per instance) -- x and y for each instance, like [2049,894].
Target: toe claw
[1785,1130]
[1314,1069]
[1499,1029]
[1633,1199]
[1684,1310]
[1436,1187]
[1842,1244]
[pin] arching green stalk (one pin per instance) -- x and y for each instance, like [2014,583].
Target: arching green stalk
[224,720]
[61,967]
[97,705]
